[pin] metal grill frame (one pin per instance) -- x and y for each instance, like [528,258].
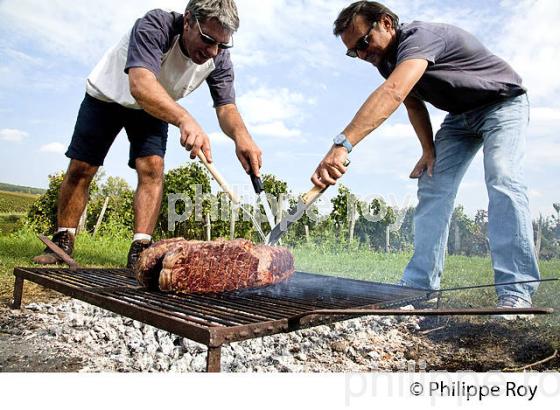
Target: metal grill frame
[116,290]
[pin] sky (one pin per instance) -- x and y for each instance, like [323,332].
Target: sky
[295,88]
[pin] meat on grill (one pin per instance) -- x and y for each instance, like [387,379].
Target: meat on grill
[203,267]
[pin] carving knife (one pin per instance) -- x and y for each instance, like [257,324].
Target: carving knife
[303,205]
[259,190]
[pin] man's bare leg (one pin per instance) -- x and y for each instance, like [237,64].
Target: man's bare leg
[74,192]
[147,201]
[72,200]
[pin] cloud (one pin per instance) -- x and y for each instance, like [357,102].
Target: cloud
[275,129]
[543,153]
[53,148]
[533,193]
[544,125]
[219,138]
[545,114]
[69,29]
[269,110]
[393,149]
[12,135]
[273,32]
[393,132]
[533,49]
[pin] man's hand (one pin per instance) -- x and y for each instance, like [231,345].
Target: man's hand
[194,139]
[331,167]
[426,162]
[249,155]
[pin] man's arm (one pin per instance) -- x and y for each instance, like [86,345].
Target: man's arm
[155,100]
[385,100]
[377,108]
[233,126]
[420,120]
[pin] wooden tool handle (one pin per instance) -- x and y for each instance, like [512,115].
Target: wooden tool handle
[219,179]
[312,195]
[316,192]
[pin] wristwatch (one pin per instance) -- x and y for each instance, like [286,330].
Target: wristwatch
[341,141]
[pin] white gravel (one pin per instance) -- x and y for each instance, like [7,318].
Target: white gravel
[109,342]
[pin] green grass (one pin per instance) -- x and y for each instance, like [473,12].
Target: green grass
[460,271]
[10,222]
[17,250]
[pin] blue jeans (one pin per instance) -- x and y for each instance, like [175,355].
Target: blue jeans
[500,129]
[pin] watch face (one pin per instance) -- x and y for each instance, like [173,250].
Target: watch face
[339,139]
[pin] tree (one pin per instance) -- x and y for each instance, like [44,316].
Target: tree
[42,216]
[406,232]
[341,213]
[187,190]
[546,229]
[119,216]
[244,227]
[276,192]
[471,233]
[556,227]
[371,226]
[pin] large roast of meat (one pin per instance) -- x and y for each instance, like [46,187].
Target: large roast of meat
[202,267]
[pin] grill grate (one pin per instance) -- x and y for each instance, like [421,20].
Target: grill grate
[214,319]
[303,292]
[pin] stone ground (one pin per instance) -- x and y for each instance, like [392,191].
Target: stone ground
[65,335]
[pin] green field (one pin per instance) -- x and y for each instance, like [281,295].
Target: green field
[15,202]
[460,271]
[13,208]
[20,188]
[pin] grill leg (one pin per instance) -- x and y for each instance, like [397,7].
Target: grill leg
[438,307]
[213,360]
[18,293]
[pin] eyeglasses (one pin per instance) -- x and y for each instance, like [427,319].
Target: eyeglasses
[210,41]
[361,44]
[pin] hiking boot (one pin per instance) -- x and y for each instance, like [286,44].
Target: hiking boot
[135,250]
[512,302]
[65,241]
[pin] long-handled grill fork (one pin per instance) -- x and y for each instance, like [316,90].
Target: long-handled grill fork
[227,189]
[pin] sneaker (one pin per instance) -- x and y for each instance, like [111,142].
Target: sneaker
[512,302]
[135,250]
[65,241]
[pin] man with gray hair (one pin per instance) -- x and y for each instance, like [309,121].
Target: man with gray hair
[488,108]
[135,86]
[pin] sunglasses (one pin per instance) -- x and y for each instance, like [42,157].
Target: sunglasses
[210,41]
[361,44]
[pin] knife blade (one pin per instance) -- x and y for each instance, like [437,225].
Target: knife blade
[303,205]
[259,190]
